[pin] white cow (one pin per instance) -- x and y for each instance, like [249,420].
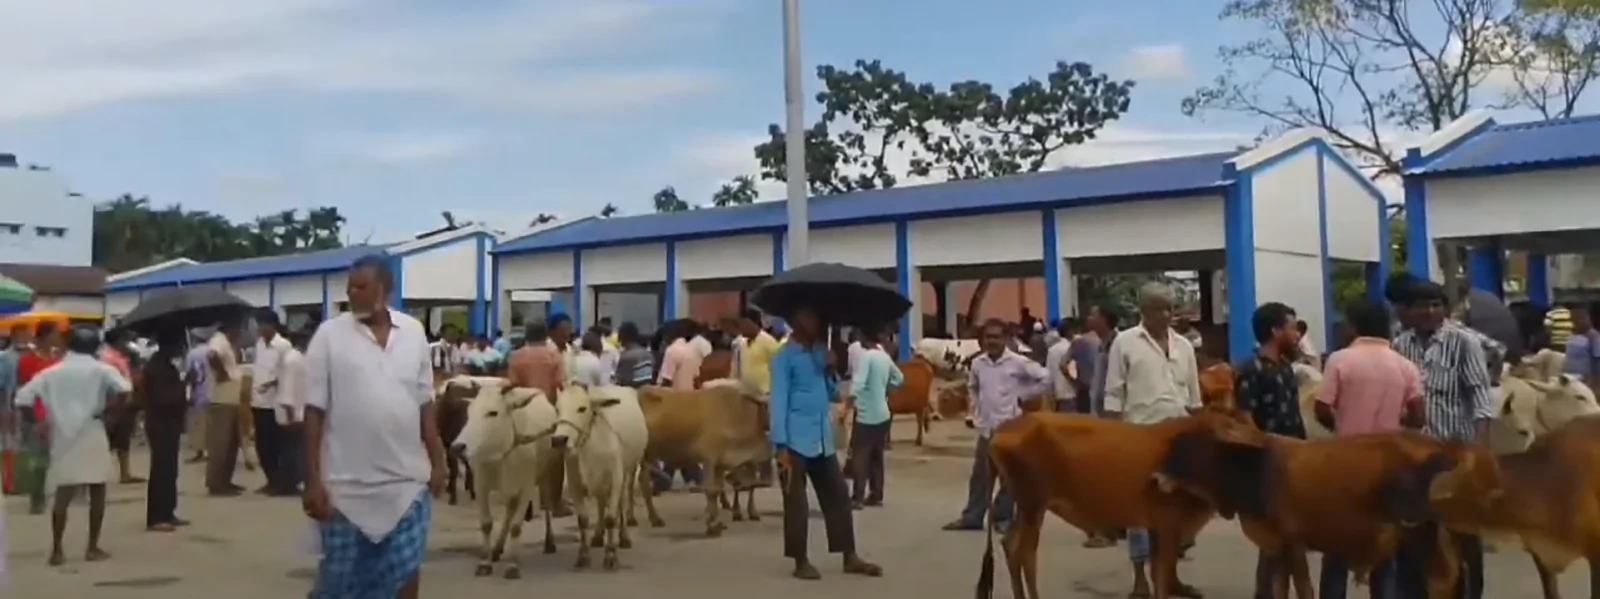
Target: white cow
[507,442]
[1530,408]
[601,434]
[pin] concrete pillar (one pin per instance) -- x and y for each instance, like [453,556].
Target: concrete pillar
[327,301]
[582,308]
[948,315]
[1486,268]
[1054,298]
[1540,291]
[478,312]
[675,297]
[397,296]
[909,281]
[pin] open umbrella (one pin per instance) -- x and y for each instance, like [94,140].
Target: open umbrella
[840,294]
[184,307]
[15,298]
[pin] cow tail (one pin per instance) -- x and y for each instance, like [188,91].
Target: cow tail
[986,569]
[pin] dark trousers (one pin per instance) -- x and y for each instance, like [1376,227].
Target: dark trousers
[291,466]
[165,430]
[978,490]
[266,425]
[832,497]
[867,445]
[1411,568]
[1335,580]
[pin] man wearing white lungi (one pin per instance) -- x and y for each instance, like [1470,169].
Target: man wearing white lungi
[74,396]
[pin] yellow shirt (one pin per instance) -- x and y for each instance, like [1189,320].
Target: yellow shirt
[1558,323]
[755,361]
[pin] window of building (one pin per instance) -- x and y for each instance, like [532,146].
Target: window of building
[50,231]
[11,228]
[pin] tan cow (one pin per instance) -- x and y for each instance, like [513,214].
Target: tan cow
[1531,408]
[719,427]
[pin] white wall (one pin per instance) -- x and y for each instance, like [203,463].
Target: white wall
[1148,227]
[725,258]
[1353,219]
[1296,281]
[625,264]
[33,199]
[1562,200]
[987,239]
[447,272]
[75,305]
[552,270]
[866,246]
[120,303]
[1286,215]
[337,281]
[301,291]
[258,293]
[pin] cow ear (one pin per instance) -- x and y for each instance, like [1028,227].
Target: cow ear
[1505,410]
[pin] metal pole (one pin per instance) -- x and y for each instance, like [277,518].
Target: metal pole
[799,231]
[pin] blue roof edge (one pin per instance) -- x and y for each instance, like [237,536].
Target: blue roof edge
[163,278]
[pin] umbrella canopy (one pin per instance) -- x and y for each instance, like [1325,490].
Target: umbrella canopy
[841,295]
[1490,316]
[184,307]
[15,297]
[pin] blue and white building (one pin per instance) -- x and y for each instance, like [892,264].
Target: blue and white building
[1275,219]
[1496,187]
[445,269]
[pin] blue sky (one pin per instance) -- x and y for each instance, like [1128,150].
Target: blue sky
[500,109]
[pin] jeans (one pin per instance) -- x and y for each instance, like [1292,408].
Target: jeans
[1138,545]
[978,490]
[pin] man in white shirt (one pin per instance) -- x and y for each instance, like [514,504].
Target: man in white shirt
[289,409]
[222,381]
[373,451]
[701,345]
[1151,376]
[270,349]
[446,352]
[587,368]
[1056,360]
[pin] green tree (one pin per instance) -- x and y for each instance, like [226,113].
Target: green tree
[667,200]
[609,210]
[130,233]
[872,116]
[1555,54]
[740,191]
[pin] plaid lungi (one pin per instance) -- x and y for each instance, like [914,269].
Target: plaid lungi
[354,567]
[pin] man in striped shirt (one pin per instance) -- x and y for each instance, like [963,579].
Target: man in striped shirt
[1456,400]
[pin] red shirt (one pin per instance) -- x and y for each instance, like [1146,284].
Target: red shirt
[29,366]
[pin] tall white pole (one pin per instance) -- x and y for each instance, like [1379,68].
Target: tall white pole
[799,232]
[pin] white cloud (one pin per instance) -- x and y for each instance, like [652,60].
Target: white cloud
[712,159]
[401,148]
[1163,62]
[69,55]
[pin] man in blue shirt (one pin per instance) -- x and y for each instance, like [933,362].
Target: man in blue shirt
[802,438]
[869,389]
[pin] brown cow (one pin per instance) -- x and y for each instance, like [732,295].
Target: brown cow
[1548,497]
[452,416]
[1354,497]
[1097,474]
[912,396]
[717,365]
[719,427]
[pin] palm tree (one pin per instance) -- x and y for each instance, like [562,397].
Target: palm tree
[667,200]
[609,210]
[740,191]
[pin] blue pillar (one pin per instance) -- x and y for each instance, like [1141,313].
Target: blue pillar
[327,300]
[1539,280]
[577,291]
[1052,267]
[902,269]
[1486,268]
[670,299]
[272,294]
[778,258]
[476,321]
[397,296]
[1240,248]
[495,295]
[1419,247]
[1326,262]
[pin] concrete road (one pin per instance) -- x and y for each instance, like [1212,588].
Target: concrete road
[247,548]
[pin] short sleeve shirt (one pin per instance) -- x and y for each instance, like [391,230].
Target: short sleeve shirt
[219,391]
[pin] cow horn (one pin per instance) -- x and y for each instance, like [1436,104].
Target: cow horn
[1444,485]
[1164,482]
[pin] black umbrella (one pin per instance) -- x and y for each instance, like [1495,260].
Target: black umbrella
[184,307]
[840,295]
[1489,315]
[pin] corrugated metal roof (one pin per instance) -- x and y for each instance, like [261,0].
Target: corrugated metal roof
[1065,187]
[1523,146]
[251,268]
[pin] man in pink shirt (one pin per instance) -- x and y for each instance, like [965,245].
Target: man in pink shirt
[680,363]
[1366,388]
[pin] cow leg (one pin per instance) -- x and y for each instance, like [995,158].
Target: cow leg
[513,530]
[633,490]
[647,483]
[581,508]
[512,503]
[472,489]
[625,521]
[922,425]
[1021,545]
[1300,573]
[549,532]
[1548,579]
[713,491]
[452,465]
[609,527]
[486,526]
[750,506]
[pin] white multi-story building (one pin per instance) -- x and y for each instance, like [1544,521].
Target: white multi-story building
[41,222]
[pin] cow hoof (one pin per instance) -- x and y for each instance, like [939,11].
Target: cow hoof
[713,532]
[582,563]
[597,541]
[483,570]
[513,573]
[549,546]
[632,521]
[609,563]
[754,517]
[494,556]
[625,543]
[737,517]
[657,523]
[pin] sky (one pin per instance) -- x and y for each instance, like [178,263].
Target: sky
[498,110]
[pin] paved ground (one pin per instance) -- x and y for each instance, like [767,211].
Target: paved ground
[247,548]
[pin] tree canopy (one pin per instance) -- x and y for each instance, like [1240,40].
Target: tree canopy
[130,232]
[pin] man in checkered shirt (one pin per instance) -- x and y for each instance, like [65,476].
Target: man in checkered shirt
[1456,382]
